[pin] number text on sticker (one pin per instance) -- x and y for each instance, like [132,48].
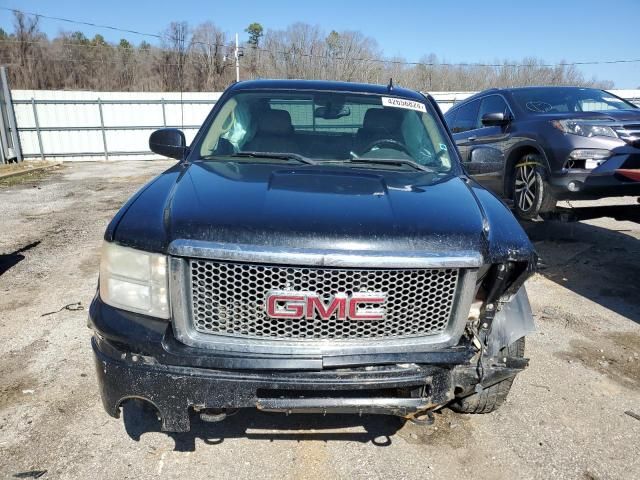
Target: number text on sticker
[402,103]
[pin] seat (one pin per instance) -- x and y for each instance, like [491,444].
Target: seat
[274,133]
[378,124]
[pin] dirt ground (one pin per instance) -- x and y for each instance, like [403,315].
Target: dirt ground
[565,416]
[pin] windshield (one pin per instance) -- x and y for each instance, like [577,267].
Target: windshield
[324,126]
[570,99]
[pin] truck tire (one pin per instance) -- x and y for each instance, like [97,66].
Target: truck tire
[492,397]
[531,193]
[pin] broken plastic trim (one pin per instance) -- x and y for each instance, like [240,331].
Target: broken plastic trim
[505,315]
[512,322]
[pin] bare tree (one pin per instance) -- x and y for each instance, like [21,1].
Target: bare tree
[27,52]
[173,55]
[208,51]
[199,60]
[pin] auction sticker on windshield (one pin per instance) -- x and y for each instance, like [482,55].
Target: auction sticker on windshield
[402,103]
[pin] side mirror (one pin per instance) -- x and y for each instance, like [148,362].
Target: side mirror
[168,142]
[495,119]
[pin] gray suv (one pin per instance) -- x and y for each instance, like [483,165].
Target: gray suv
[537,145]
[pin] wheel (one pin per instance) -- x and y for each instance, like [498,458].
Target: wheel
[531,193]
[492,397]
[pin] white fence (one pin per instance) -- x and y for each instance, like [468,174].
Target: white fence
[80,125]
[76,125]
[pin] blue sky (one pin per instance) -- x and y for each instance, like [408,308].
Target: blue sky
[458,31]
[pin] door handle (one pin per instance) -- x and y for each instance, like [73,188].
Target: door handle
[472,139]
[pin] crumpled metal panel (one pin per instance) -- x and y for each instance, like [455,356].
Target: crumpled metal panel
[513,321]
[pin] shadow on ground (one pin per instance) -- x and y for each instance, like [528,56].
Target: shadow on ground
[597,263]
[10,260]
[255,425]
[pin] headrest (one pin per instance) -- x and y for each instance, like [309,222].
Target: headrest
[274,122]
[382,119]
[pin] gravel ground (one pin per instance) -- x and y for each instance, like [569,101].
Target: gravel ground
[565,417]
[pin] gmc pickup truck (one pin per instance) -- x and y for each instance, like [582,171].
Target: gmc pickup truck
[317,248]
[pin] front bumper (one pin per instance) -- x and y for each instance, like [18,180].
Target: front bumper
[177,391]
[607,180]
[138,357]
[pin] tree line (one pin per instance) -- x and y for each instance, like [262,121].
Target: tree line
[201,58]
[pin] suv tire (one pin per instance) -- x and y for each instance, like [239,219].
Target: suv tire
[491,397]
[531,193]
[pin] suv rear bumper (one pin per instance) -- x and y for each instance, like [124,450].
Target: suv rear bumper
[177,391]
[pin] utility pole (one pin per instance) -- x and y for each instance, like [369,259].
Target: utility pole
[237,55]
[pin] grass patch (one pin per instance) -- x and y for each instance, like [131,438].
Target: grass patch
[26,174]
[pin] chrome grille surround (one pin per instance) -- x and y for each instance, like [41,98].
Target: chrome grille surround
[229,299]
[308,353]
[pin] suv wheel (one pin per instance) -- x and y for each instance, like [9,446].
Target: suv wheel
[531,193]
[491,397]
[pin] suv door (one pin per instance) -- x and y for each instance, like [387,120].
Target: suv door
[465,120]
[487,166]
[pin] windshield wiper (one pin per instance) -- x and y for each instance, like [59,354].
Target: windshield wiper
[278,155]
[390,161]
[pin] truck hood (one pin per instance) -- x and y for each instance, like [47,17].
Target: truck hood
[319,207]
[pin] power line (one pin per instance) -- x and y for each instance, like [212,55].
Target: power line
[330,58]
[136,51]
[79,22]
[60,42]
[108,27]
[450,64]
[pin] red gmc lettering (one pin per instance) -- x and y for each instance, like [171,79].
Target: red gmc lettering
[298,305]
[356,313]
[293,308]
[337,304]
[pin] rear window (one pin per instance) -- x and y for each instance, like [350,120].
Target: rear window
[350,119]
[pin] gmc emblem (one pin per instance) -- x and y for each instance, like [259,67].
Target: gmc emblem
[298,305]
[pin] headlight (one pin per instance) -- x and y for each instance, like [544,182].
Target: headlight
[134,280]
[584,128]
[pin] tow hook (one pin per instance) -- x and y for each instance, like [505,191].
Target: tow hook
[215,415]
[422,418]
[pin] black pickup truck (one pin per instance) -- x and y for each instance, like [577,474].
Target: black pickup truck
[317,248]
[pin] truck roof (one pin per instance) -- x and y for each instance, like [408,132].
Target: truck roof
[327,86]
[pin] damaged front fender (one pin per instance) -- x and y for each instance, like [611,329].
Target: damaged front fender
[513,321]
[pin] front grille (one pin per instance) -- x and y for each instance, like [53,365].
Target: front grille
[229,299]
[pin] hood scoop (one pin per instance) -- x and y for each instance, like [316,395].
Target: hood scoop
[334,183]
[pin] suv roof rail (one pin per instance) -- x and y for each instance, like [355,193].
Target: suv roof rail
[475,95]
[482,92]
